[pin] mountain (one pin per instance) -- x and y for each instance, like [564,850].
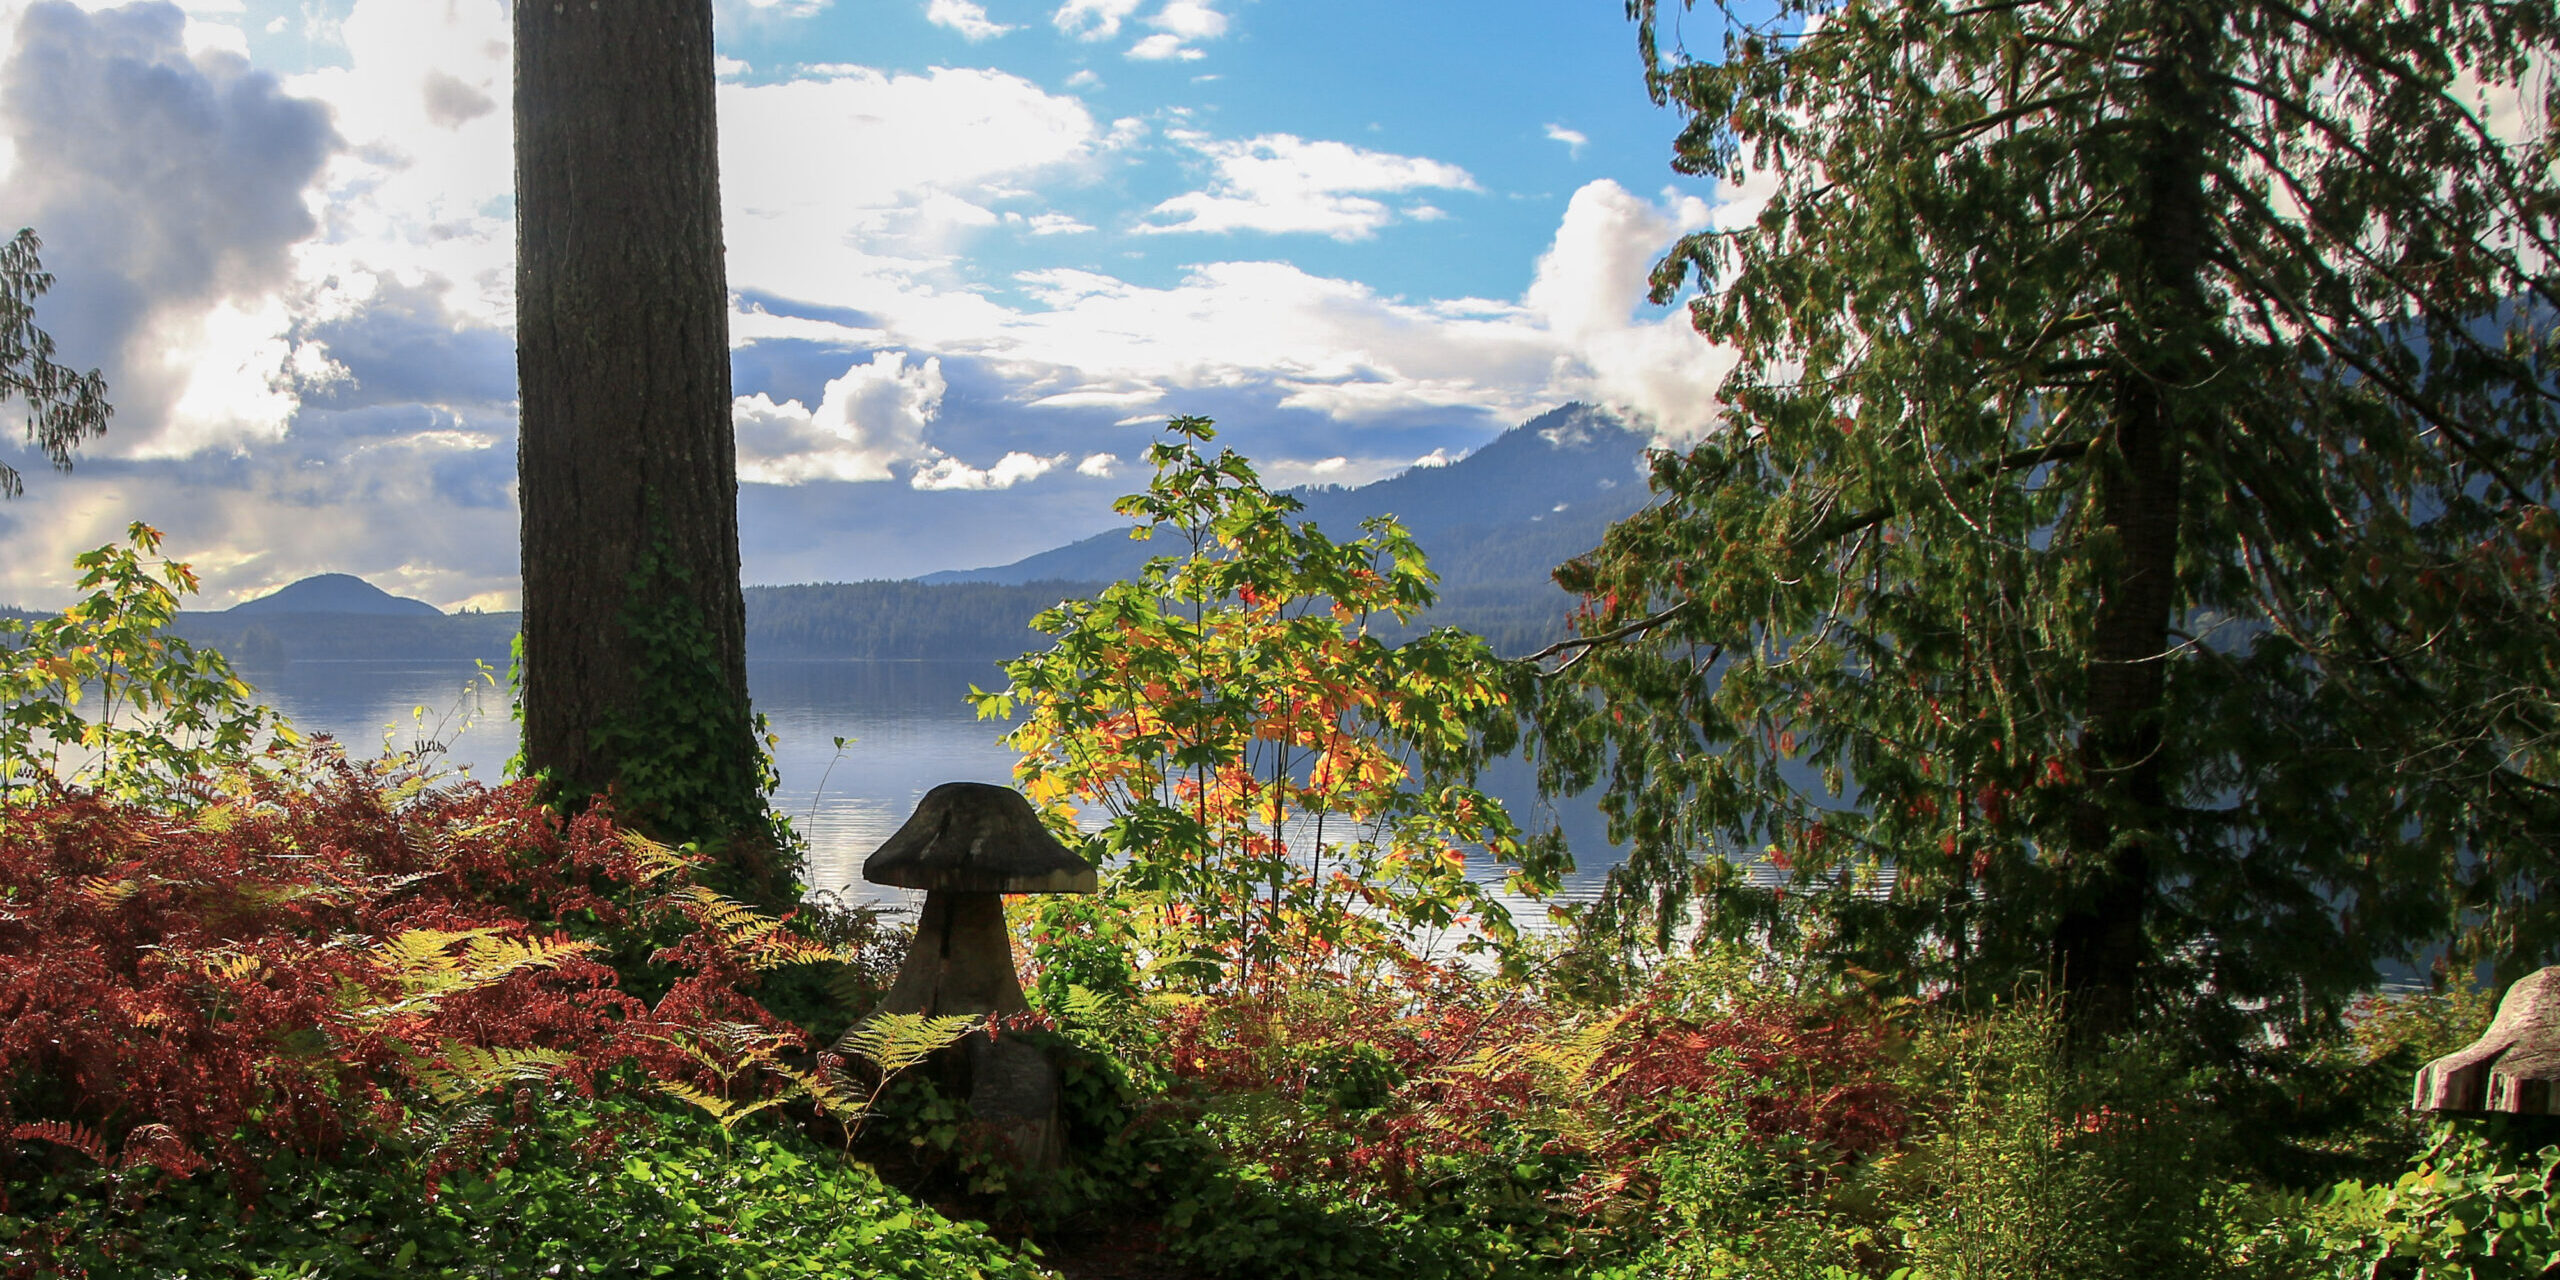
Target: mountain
[334,593]
[1538,495]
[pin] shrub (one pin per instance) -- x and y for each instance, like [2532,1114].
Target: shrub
[311,953]
[1285,792]
[582,1188]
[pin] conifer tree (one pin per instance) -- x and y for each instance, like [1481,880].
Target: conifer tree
[63,407]
[2127,555]
[634,666]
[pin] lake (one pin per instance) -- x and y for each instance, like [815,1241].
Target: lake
[907,728]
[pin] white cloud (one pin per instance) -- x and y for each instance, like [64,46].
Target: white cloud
[947,473]
[1164,47]
[1100,397]
[205,37]
[776,8]
[1573,139]
[1587,286]
[424,190]
[1178,25]
[1048,224]
[1279,182]
[1435,458]
[170,181]
[964,16]
[872,417]
[1098,465]
[816,207]
[1314,342]
[1092,19]
[1084,79]
[1189,20]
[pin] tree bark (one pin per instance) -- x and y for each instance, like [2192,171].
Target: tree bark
[2102,943]
[626,455]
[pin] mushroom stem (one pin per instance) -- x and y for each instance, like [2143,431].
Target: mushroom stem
[961,960]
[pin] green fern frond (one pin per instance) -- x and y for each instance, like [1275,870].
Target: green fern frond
[296,891]
[470,1070]
[423,964]
[420,954]
[106,892]
[894,1042]
[718,1107]
[833,1092]
[656,861]
[729,916]
[488,959]
[222,966]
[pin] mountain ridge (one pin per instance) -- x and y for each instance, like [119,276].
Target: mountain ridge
[1533,497]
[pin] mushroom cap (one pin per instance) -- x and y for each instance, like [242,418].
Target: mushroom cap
[975,837]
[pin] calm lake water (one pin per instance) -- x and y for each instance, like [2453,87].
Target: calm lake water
[907,728]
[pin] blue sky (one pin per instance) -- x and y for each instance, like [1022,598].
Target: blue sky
[976,249]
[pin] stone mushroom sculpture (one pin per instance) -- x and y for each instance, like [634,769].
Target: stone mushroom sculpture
[2513,1067]
[967,845]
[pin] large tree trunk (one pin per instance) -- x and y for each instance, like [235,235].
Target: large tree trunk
[2102,943]
[634,668]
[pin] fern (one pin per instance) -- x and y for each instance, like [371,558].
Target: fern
[653,861]
[159,1146]
[106,892]
[63,1133]
[422,964]
[760,940]
[718,1107]
[894,1042]
[469,1071]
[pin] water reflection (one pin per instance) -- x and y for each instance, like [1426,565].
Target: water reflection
[907,728]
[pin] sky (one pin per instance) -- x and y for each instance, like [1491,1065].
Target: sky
[979,250]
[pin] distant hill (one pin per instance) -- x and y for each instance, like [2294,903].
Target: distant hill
[1537,496]
[1494,523]
[334,593]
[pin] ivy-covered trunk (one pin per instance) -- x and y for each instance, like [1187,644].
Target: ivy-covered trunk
[634,662]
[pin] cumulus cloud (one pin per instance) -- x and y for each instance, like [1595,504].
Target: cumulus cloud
[169,186]
[1189,20]
[1179,24]
[1092,19]
[1098,465]
[963,16]
[872,417]
[830,221]
[1278,182]
[1573,139]
[869,424]
[1164,47]
[1586,289]
[947,473]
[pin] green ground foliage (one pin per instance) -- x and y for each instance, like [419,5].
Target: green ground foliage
[2117,617]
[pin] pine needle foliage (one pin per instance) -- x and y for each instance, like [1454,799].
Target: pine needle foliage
[2127,557]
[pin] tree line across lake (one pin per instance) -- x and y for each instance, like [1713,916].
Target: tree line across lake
[959,621]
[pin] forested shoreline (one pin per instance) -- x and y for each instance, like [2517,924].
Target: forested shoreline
[827,621]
